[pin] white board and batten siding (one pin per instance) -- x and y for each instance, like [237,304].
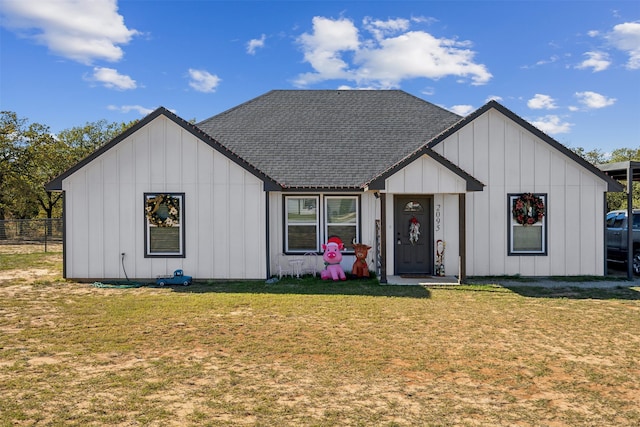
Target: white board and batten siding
[426,176]
[509,159]
[224,209]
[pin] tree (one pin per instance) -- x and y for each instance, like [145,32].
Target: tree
[12,144]
[45,158]
[38,158]
[83,140]
[30,156]
[596,157]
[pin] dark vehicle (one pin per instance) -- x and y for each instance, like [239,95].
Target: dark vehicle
[617,237]
[178,278]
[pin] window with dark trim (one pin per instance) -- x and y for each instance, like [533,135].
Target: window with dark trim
[164,225]
[527,230]
[312,219]
[302,228]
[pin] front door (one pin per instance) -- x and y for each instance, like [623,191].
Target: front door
[413,240]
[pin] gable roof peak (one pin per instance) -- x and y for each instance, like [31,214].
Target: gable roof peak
[493,104]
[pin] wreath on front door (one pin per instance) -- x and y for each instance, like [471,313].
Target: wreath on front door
[152,206]
[528,209]
[414,230]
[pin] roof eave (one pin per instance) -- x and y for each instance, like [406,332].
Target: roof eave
[269,183]
[612,184]
[472,184]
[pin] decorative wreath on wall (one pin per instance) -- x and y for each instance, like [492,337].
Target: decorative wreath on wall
[414,230]
[528,209]
[152,206]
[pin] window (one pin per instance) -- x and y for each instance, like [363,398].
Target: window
[302,219]
[341,218]
[611,219]
[616,219]
[311,220]
[164,224]
[413,207]
[527,231]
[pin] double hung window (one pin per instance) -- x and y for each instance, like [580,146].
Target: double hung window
[527,231]
[164,224]
[311,220]
[303,223]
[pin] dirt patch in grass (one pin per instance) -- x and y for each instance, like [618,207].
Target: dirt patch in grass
[27,264]
[316,354]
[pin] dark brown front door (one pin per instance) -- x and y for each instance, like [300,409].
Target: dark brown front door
[413,256]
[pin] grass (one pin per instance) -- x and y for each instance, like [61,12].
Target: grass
[313,353]
[29,260]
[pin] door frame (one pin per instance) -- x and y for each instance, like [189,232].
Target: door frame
[426,232]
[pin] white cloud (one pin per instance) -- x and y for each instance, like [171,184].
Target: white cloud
[551,60]
[493,98]
[424,19]
[626,37]
[111,79]
[203,81]
[593,100]
[254,44]
[461,110]
[429,90]
[598,61]
[322,49]
[336,50]
[128,108]
[81,30]
[552,124]
[380,29]
[540,102]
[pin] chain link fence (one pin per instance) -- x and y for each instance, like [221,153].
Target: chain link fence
[41,231]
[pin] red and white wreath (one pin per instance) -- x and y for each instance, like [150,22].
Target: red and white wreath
[528,209]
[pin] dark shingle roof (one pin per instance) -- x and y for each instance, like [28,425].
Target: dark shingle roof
[327,138]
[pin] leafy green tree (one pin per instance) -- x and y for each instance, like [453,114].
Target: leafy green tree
[12,145]
[30,156]
[597,157]
[39,157]
[83,140]
[45,158]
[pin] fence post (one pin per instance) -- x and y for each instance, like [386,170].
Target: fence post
[46,231]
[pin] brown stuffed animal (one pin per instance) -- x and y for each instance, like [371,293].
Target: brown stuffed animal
[360,268]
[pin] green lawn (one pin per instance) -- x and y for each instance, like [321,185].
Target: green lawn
[313,353]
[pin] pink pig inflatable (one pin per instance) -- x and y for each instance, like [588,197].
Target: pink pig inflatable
[332,257]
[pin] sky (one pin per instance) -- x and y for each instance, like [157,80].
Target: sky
[571,68]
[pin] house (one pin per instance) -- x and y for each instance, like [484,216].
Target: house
[430,191]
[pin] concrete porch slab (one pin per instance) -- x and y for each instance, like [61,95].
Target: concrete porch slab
[427,280]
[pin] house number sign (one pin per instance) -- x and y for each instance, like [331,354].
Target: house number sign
[438,219]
